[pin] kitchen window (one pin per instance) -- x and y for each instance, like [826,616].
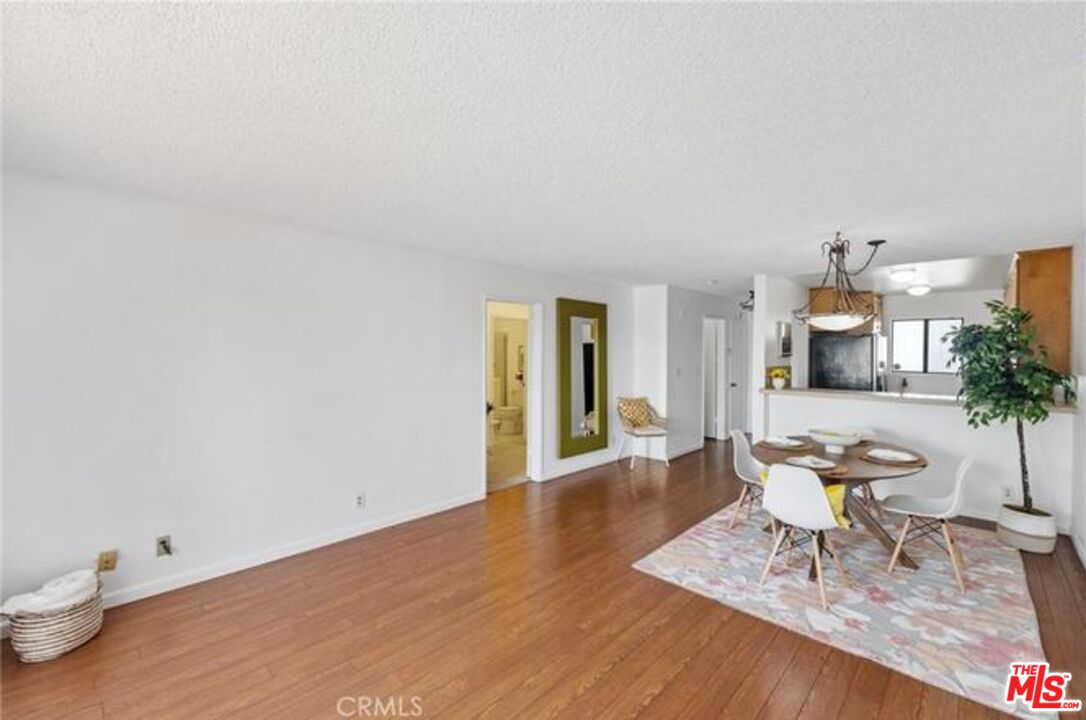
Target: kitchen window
[918,346]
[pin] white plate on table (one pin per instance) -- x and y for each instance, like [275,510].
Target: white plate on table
[895,456]
[811,462]
[782,442]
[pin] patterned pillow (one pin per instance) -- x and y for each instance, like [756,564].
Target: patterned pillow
[635,411]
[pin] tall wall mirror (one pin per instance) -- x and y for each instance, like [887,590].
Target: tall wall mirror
[582,377]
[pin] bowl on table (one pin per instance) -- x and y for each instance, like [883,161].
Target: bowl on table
[836,440]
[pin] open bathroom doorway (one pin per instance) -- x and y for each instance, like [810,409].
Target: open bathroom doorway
[509,393]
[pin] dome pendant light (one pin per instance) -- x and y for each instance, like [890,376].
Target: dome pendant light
[850,308]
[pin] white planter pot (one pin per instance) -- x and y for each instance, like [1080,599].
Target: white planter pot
[778,383]
[1025,531]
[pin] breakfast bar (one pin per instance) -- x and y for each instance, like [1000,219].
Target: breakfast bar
[935,426]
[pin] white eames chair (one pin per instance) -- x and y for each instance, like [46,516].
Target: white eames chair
[796,498]
[928,517]
[749,471]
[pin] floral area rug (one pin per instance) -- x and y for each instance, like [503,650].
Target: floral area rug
[914,621]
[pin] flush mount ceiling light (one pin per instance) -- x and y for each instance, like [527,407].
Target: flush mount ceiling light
[849,308]
[918,289]
[903,274]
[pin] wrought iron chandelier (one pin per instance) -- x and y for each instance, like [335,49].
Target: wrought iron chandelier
[850,308]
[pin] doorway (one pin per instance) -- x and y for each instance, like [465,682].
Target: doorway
[508,393]
[716,386]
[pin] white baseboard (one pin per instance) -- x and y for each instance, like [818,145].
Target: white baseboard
[120,596]
[693,447]
[669,454]
[604,456]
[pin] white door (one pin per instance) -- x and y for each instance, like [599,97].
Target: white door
[715,378]
[738,362]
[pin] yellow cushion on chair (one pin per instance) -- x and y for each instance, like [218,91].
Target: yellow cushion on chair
[635,411]
[836,495]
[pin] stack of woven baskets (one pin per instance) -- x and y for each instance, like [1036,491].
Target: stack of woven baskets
[61,616]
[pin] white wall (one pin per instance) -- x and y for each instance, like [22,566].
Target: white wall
[685,311]
[783,296]
[650,355]
[967,304]
[235,383]
[940,432]
[668,342]
[759,320]
[1078,330]
[650,345]
[775,298]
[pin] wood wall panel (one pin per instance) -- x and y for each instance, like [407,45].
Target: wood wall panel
[1043,287]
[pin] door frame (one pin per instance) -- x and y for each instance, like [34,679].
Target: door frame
[721,376]
[533,398]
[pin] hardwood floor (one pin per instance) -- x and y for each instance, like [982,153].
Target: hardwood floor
[521,606]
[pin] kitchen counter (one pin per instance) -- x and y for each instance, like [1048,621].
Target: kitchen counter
[917,398]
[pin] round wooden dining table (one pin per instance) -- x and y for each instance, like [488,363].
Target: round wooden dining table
[854,472]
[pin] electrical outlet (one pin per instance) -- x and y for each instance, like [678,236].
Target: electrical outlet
[360,501]
[163,546]
[1006,492]
[107,560]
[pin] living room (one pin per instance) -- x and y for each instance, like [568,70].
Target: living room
[259,425]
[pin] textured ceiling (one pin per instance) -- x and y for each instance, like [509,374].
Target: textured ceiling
[643,143]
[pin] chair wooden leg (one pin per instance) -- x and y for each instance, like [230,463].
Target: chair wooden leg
[952,551]
[900,542]
[836,555]
[633,451]
[773,553]
[667,460]
[621,444]
[738,505]
[817,542]
[957,547]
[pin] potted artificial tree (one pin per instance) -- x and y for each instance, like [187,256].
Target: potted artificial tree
[1004,378]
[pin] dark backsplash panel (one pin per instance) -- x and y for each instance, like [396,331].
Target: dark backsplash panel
[842,362]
